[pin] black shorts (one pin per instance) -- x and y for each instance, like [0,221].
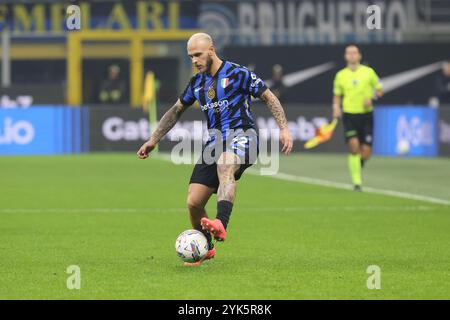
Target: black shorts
[360,126]
[244,143]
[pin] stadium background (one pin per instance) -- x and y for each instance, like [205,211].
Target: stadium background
[50,105]
[47,70]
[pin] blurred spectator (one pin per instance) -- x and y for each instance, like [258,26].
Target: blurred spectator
[442,89]
[112,89]
[278,87]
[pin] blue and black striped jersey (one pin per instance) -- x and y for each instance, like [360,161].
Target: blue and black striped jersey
[225,97]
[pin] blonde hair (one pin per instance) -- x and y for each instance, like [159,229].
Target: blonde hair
[201,36]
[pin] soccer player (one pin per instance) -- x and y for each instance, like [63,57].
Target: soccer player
[354,88]
[223,90]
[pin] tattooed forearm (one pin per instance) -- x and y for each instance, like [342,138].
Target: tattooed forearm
[168,121]
[275,107]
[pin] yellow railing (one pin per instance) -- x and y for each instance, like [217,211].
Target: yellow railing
[136,40]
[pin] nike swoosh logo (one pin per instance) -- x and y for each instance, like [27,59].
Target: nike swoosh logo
[390,83]
[395,81]
[198,89]
[294,78]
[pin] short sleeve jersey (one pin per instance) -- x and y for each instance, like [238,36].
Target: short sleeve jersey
[225,98]
[355,87]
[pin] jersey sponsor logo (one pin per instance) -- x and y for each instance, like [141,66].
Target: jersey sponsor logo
[224,82]
[211,93]
[218,105]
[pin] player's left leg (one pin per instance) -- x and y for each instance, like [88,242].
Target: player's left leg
[227,166]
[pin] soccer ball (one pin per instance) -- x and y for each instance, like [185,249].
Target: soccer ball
[191,246]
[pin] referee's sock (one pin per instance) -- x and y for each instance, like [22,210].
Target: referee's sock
[224,208]
[354,165]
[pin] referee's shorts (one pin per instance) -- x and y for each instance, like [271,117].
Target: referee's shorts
[359,126]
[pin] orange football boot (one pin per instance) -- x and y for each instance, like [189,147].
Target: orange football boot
[209,255]
[215,227]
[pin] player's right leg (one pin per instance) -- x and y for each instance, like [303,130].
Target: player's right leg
[198,196]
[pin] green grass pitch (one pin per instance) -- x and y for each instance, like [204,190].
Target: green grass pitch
[117,218]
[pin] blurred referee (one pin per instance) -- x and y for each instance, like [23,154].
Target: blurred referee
[355,87]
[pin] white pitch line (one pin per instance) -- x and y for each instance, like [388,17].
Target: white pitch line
[340,185]
[91,210]
[323,208]
[346,186]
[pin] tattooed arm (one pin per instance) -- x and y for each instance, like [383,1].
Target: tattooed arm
[165,124]
[275,107]
[277,111]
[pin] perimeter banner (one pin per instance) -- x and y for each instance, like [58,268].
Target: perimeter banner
[44,130]
[115,129]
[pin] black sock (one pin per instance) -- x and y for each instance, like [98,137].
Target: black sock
[224,208]
[209,238]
